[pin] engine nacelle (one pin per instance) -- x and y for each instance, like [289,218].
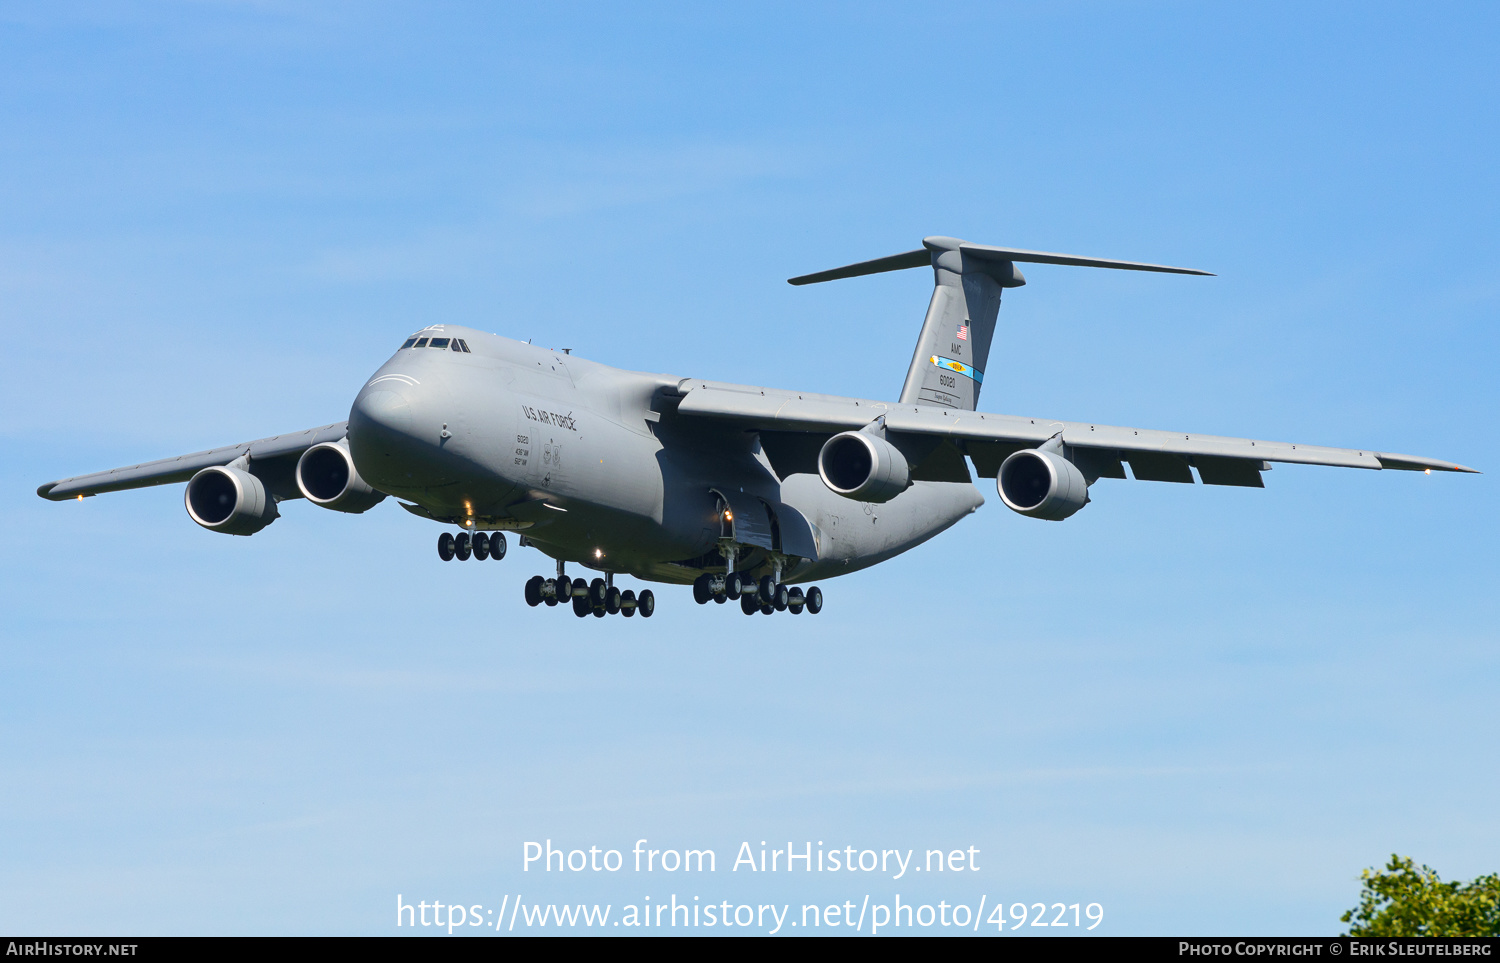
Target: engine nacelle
[1041,484]
[228,500]
[862,466]
[326,475]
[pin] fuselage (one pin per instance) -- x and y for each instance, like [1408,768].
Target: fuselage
[590,464]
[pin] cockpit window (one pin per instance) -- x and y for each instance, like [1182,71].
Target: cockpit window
[439,343]
[421,343]
[457,345]
[465,345]
[409,342]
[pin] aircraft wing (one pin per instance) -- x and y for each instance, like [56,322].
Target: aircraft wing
[166,471]
[793,424]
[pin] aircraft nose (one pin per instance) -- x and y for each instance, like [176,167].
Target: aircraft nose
[381,411]
[382,434]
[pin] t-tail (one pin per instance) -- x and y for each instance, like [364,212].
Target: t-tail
[948,366]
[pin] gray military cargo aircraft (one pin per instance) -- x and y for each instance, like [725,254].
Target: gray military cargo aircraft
[740,491]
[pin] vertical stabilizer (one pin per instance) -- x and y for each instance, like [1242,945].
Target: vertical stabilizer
[947,369]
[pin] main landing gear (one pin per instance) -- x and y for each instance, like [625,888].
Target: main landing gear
[597,598]
[766,596]
[479,545]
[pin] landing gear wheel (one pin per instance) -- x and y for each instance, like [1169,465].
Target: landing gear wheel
[534,590]
[703,589]
[596,593]
[734,586]
[599,612]
[461,546]
[445,546]
[767,590]
[612,598]
[781,598]
[814,600]
[721,598]
[646,603]
[748,605]
[481,544]
[767,608]
[497,546]
[549,591]
[627,603]
[580,590]
[581,607]
[795,601]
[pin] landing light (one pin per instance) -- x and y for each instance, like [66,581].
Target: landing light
[1425,471]
[80,497]
[728,515]
[598,553]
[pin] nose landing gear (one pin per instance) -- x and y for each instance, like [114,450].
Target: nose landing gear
[479,545]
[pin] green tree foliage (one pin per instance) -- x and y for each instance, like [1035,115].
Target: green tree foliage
[1405,900]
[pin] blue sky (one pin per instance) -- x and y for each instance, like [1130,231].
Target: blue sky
[1206,709]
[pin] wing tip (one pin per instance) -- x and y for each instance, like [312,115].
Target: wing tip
[1395,462]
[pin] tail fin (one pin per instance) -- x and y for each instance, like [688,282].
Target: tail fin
[947,368]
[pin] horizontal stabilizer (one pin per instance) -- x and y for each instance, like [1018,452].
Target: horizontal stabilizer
[896,262]
[1046,257]
[924,257]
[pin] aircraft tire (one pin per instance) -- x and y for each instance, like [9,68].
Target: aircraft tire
[551,599]
[748,605]
[461,546]
[580,590]
[781,598]
[534,590]
[627,610]
[497,546]
[766,608]
[795,601]
[767,590]
[721,598]
[481,545]
[612,599]
[702,589]
[596,593]
[814,600]
[734,586]
[646,603]
[445,546]
[581,607]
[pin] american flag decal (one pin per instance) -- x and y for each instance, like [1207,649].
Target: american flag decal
[963,332]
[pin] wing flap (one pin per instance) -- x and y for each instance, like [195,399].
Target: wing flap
[167,471]
[1238,472]
[1160,466]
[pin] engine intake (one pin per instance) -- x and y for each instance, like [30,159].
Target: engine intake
[228,500]
[327,476]
[862,466]
[1041,484]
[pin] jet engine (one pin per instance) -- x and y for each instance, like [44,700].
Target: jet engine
[326,475]
[1041,484]
[229,500]
[862,466]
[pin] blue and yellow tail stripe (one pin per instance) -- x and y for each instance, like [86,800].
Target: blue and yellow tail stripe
[959,367]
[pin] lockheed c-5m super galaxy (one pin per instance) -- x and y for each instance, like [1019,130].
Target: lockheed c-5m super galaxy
[746,493]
